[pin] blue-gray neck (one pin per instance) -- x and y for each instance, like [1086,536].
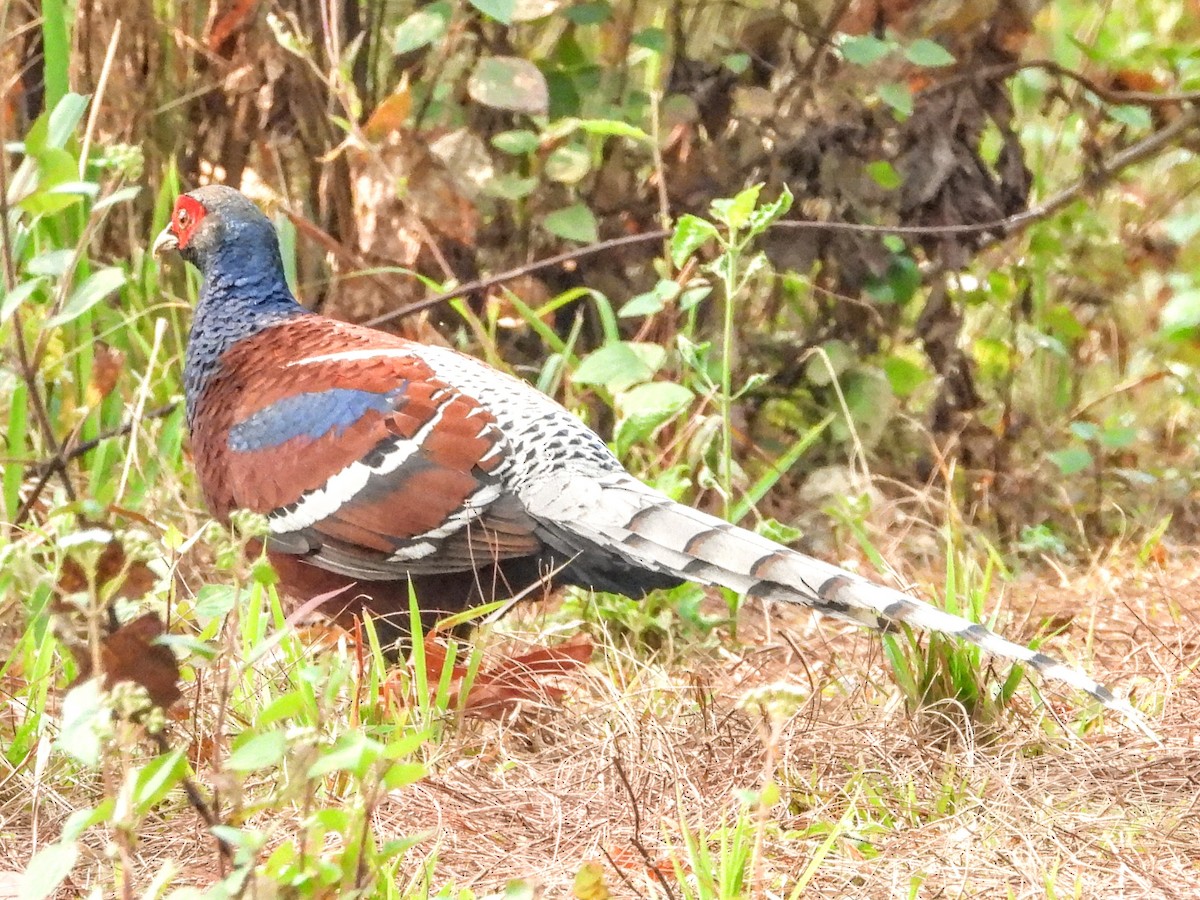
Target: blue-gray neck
[244,291]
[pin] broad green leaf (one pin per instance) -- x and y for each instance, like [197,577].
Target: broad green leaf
[904,375]
[735,213]
[67,114]
[931,54]
[511,187]
[767,213]
[124,195]
[884,174]
[821,372]
[500,10]
[259,752]
[616,367]
[86,721]
[653,39]
[509,82]
[1181,315]
[575,223]
[95,288]
[568,164]
[898,97]
[354,752]
[402,774]
[422,28]
[1118,438]
[645,407]
[690,233]
[47,870]
[156,779]
[52,263]
[12,301]
[593,13]
[865,49]
[651,301]
[1072,460]
[1134,116]
[517,142]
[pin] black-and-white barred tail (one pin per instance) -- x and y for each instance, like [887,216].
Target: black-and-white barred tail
[664,536]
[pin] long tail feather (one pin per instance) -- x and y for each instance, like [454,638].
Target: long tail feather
[668,537]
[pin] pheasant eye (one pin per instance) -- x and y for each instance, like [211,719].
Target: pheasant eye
[182,218]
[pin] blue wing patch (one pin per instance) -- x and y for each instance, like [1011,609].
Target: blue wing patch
[309,415]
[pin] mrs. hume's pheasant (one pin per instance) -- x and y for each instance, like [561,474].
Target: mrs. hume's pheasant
[378,461]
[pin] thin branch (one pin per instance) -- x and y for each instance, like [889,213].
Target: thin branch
[636,839]
[482,283]
[1107,94]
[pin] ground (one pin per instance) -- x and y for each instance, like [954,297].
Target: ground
[642,756]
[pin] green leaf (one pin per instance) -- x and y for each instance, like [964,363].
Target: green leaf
[618,366]
[422,28]
[904,375]
[47,870]
[517,142]
[646,407]
[589,13]
[214,600]
[1134,116]
[1072,460]
[511,187]
[1085,431]
[863,50]
[1118,437]
[86,720]
[840,358]
[884,174]
[95,288]
[124,195]
[690,233]
[67,114]
[568,164]
[1181,314]
[402,774]
[259,752]
[768,213]
[500,10]
[735,213]
[651,301]
[509,82]
[12,301]
[898,97]
[574,222]
[354,752]
[156,779]
[737,63]
[931,54]
[653,39]
[52,263]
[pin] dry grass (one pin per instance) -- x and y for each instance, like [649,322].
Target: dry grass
[916,803]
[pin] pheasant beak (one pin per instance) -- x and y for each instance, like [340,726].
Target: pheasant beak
[165,241]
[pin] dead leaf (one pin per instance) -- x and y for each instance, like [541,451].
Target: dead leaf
[107,363]
[227,23]
[131,654]
[501,688]
[138,578]
[390,115]
[589,882]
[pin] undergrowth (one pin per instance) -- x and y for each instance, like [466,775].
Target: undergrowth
[300,762]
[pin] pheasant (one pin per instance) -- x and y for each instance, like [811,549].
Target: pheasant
[380,462]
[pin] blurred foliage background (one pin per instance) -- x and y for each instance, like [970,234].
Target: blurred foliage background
[1010,340]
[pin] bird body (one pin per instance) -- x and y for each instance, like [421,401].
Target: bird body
[381,462]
